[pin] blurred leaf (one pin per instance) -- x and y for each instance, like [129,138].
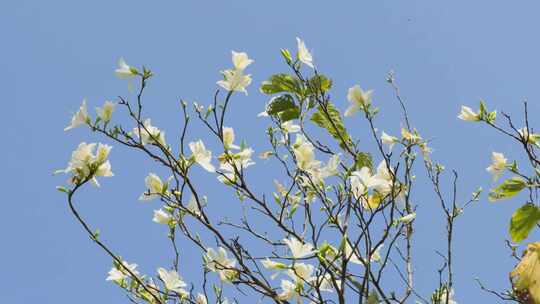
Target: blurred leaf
[523,221]
[319,83]
[364,159]
[507,189]
[526,276]
[284,108]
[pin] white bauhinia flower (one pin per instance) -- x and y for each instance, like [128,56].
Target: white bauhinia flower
[358,98]
[531,138]
[331,167]
[220,263]
[240,60]
[118,274]
[467,114]
[301,272]
[298,249]
[155,187]
[201,299]
[162,217]
[269,264]
[389,140]
[289,291]
[150,134]
[228,138]
[105,112]
[124,70]
[497,166]
[79,118]
[172,281]
[376,255]
[363,180]
[304,153]
[447,296]
[235,80]
[202,156]
[303,53]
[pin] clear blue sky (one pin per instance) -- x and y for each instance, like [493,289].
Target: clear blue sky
[55,53]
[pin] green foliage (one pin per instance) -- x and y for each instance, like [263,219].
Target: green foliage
[284,108]
[523,221]
[507,189]
[329,118]
[280,83]
[319,83]
[373,298]
[364,159]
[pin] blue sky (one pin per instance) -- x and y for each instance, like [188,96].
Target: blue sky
[55,53]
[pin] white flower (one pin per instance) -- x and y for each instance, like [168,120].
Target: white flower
[172,281]
[389,140]
[290,127]
[326,283]
[154,185]
[201,299]
[162,217]
[407,218]
[468,114]
[80,118]
[362,181]
[105,112]
[444,295]
[358,98]
[497,166]
[124,70]
[220,263]
[304,153]
[269,264]
[150,134]
[376,255]
[117,274]
[531,138]
[301,272]
[303,53]
[202,156]
[193,207]
[84,164]
[240,60]
[299,249]
[235,80]
[228,138]
[331,167]
[289,291]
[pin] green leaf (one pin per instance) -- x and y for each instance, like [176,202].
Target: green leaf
[279,83]
[332,122]
[319,83]
[507,189]
[284,108]
[523,221]
[364,159]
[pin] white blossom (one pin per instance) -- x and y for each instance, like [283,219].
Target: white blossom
[228,138]
[155,187]
[201,299]
[79,118]
[85,164]
[407,218]
[358,98]
[497,166]
[105,112]
[150,134]
[172,281]
[124,70]
[240,60]
[289,291]
[298,249]
[467,114]
[193,207]
[303,53]
[202,156]
[117,274]
[301,272]
[220,263]
[389,140]
[162,217]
